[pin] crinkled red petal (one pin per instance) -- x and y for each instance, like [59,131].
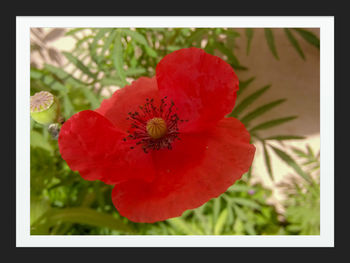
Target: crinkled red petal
[200,167]
[92,145]
[202,86]
[128,99]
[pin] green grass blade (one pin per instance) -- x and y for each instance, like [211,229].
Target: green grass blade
[89,216]
[249,33]
[220,222]
[309,37]
[117,57]
[79,64]
[246,203]
[285,137]
[136,36]
[290,162]
[240,213]
[135,71]
[272,123]
[109,40]
[111,82]
[300,153]
[38,140]
[249,227]
[271,42]
[268,162]
[100,34]
[230,56]
[249,100]
[48,80]
[261,110]
[182,226]
[294,43]
[73,31]
[68,108]
[91,97]
[64,76]
[151,52]
[197,35]
[244,84]
[216,208]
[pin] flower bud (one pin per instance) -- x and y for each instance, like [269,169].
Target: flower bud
[44,107]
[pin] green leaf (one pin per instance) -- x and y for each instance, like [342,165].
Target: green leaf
[91,97]
[249,227]
[100,34]
[271,42]
[285,137]
[230,217]
[38,206]
[197,35]
[290,162]
[117,57]
[68,108]
[244,84]
[300,153]
[183,226]
[81,41]
[111,82]
[35,74]
[139,38]
[239,188]
[135,36]
[82,215]
[64,76]
[261,110]
[135,71]
[268,162]
[79,64]
[216,208]
[309,37]
[249,33]
[310,151]
[239,212]
[108,43]
[249,100]
[38,140]
[294,42]
[239,227]
[73,31]
[272,123]
[232,33]
[246,203]
[151,52]
[230,56]
[221,222]
[48,80]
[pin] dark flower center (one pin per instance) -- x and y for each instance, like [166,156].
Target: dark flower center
[154,128]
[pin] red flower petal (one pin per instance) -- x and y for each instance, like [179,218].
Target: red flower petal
[92,145]
[128,99]
[202,86]
[200,167]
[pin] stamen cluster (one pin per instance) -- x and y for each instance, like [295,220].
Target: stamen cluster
[149,112]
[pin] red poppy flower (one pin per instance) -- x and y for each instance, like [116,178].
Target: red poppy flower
[164,142]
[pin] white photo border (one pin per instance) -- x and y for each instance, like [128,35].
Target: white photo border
[23,237]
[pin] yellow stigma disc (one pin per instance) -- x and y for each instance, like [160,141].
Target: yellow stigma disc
[156,128]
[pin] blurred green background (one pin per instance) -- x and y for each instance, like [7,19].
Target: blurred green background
[102,60]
